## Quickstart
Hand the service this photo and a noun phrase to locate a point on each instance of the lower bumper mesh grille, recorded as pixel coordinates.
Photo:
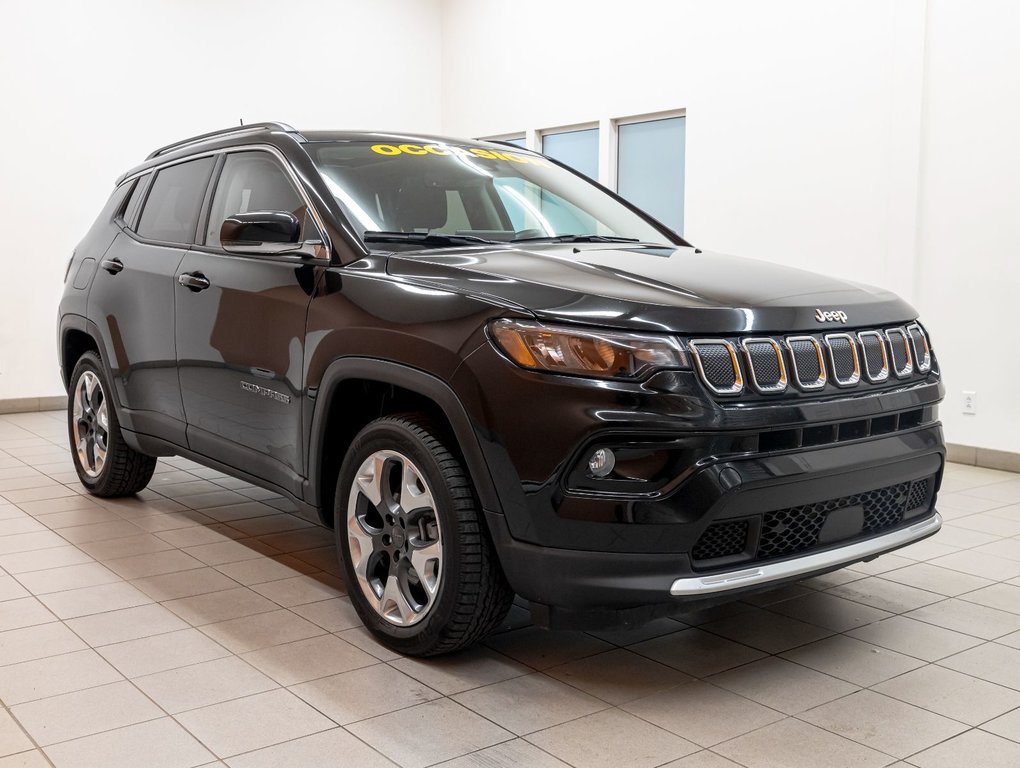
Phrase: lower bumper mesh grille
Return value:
(794, 530)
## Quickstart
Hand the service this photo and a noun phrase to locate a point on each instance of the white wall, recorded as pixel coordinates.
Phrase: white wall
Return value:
(874, 140)
(969, 234)
(88, 89)
(871, 139)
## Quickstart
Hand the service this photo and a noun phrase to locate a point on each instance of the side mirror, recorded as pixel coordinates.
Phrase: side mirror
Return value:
(262, 232)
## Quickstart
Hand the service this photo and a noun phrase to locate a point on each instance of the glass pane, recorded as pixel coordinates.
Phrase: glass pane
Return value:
(519, 141)
(497, 195)
(171, 208)
(650, 168)
(251, 181)
(578, 149)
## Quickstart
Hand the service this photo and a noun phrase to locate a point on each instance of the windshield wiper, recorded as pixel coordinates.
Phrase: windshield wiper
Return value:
(578, 239)
(425, 238)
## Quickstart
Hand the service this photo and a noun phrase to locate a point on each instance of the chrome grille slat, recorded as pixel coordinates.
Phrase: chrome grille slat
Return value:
(899, 345)
(846, 365)
(716, 361)
(919, 343)
(876, 361)
(765, 365)
(807, 362)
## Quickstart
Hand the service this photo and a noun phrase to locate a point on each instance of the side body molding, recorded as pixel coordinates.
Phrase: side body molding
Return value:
(415, 380)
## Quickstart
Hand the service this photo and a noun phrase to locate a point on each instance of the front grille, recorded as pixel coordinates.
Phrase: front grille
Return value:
(722, 539)
(794, 530)
(812, 361)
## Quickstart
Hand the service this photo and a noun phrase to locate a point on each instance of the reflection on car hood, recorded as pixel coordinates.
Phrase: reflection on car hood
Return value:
(656, 288)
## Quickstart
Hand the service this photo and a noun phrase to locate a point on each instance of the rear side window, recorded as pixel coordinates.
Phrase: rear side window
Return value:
(251, 181)
(131, 209)
(171, 208)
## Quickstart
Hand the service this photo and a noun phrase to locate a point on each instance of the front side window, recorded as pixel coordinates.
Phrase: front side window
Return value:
(249, 182)
(171, 208)
(428, 194)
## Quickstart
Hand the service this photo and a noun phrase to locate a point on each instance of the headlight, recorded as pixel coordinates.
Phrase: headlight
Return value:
(586, 352)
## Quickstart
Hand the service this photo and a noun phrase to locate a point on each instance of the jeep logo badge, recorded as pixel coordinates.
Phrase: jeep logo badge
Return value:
(828, 317)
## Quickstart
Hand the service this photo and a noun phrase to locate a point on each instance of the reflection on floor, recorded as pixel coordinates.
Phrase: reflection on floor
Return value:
(201, 624)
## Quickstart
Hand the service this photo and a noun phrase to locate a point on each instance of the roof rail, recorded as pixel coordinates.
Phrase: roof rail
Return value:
(237, 129)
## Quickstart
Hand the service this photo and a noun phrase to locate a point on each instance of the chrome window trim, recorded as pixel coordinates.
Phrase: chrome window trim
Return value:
(923, 362)
(738, 380)
(855, 377)
(883, 374)
(780, 386)
(823, 375)
(905, 338)
(288, 169)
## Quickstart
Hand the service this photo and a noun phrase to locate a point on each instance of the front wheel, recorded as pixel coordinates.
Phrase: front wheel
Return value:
(106, 465)
(420, 567)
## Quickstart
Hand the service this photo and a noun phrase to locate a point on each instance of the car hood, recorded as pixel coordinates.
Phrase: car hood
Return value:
(675, 289)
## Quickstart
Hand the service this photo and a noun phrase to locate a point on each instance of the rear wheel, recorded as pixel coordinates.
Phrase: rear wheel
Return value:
(420, 568)
(106, 465)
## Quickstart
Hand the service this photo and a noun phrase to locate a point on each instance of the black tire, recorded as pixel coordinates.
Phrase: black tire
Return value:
(125, 471)
(472, 596)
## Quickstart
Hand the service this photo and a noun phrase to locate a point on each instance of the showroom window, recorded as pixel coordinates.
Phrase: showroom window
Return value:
(251, 181)
(650, 167)
(641, 157)
(578, 149)
(171, 209)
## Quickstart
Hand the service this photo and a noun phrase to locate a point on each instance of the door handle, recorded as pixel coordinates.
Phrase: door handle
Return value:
(113, 266)
(194, 281)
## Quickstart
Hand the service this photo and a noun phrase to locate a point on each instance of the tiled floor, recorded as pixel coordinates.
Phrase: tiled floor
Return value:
(201, 624)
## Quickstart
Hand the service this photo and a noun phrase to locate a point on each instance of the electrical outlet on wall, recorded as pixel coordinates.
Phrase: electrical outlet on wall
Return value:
(970, 402)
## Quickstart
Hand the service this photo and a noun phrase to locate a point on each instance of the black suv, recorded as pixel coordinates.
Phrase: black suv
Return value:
(490, 376)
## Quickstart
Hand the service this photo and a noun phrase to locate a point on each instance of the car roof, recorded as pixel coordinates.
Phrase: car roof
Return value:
(278, 133)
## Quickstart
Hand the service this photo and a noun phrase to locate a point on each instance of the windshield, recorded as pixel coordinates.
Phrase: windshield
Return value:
(438, 195)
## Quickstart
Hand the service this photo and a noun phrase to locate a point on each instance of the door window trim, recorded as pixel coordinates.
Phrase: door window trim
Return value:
(207, 199)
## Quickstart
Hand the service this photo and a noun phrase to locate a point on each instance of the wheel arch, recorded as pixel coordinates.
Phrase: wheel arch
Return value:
(77, 336)
(379, 388)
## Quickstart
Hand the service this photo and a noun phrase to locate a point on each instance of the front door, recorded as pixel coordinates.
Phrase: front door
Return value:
(241, 332)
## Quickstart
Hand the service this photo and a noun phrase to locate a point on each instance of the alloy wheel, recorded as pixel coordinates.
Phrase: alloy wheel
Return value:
(90, 423)
(395, 539)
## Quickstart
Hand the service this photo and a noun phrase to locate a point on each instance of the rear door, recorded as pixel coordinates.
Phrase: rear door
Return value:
(132, 296)
(241, 335)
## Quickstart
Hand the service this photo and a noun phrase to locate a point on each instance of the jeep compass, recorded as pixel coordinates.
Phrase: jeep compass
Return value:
(491, 376)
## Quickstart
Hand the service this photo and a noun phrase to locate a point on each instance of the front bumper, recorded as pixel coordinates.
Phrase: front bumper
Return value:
(592, 556)
(801, 567)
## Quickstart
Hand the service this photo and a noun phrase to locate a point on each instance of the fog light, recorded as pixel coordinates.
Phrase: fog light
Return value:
(601, 462)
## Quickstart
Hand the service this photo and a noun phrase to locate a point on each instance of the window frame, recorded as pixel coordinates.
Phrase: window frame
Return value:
(153, 173)
(210, 197)
(218, 154)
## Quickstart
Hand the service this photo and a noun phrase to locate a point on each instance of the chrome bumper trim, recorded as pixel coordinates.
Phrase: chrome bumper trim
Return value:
(833, 558)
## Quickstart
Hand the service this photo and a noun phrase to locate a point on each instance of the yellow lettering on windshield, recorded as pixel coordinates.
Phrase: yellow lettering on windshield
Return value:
(444, 150)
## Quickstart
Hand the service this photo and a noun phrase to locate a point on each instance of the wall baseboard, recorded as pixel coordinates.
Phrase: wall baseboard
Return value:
(983, 457)
(29, 404)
